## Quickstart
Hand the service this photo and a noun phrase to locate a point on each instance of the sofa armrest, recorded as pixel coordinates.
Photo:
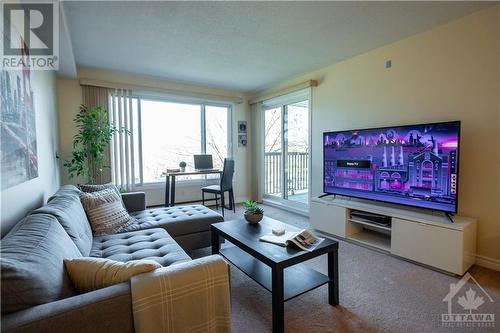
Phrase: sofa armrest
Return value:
(134, 201)
(104, 310)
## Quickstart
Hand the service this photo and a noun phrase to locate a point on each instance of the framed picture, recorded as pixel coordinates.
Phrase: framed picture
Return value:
(242, 140)
(18, 151)
(242, 127)
(242, 133)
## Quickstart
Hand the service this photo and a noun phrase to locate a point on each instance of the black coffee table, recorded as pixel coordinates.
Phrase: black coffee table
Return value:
(277, 269)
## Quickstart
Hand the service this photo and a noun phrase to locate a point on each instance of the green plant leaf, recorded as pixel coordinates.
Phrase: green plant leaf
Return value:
(252, 207)
(90, 142)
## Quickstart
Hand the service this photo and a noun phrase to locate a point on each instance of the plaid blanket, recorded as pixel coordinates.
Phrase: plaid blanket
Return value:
(187, 297)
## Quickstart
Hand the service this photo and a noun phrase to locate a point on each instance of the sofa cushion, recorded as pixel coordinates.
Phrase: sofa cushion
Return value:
(65, 205)
(152, 244)
(178, 220)
(32, 263)
(66, 190)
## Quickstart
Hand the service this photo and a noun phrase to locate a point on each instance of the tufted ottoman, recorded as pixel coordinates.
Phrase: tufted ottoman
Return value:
(153, 244)
(188, 225)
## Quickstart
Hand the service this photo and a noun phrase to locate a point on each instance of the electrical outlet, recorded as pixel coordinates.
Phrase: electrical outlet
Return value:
(388, 63)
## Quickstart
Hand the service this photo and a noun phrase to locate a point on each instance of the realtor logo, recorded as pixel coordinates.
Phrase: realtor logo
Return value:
(464, 303)
(30, 35)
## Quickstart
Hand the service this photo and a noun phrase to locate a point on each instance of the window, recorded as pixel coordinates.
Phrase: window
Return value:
(172, 132)
(216, 123)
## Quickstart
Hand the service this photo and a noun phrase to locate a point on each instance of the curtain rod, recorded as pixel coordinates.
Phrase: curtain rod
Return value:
(299, 86)
(140, 88)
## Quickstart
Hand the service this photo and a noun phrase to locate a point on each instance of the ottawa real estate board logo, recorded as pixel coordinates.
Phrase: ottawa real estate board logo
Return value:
(30, 35)
(468, 305)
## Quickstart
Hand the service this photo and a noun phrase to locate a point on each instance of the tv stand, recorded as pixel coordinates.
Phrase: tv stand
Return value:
(326, 195)
(449, 216)
(422, 236)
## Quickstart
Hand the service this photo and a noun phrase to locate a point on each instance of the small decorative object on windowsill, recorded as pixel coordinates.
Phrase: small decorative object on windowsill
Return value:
(253, 213)
(182, 166)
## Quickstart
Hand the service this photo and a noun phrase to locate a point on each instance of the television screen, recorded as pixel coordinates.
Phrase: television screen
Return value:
(413, 165)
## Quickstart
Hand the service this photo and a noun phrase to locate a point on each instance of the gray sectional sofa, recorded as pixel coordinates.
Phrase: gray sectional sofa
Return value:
(37, 295)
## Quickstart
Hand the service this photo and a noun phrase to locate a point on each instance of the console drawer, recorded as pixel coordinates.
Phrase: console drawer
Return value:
(328, 218)
(428, 244)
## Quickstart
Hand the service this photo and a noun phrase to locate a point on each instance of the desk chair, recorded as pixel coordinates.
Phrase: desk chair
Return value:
(226, 185)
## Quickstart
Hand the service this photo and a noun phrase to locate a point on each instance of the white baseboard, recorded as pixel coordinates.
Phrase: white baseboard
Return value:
(488, 262)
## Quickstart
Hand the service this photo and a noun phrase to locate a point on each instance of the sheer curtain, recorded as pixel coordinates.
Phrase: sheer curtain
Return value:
(121, 108)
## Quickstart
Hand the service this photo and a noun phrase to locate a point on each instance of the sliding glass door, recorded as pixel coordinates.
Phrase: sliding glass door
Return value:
(273, 152)
(286, 153)
(297, 157)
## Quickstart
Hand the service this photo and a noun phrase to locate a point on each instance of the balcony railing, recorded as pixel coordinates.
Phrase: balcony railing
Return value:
(297, 172)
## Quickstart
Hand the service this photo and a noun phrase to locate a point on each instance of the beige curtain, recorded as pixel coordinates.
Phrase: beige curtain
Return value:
(94, 97)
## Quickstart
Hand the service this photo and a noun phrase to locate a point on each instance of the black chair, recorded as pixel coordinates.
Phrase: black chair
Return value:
(226, 185)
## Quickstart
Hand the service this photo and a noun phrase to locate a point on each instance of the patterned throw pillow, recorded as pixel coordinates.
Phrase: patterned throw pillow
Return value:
(105, 212)
(89, 274)
(89, 188)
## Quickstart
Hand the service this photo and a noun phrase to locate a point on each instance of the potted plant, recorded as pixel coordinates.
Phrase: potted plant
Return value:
(253, 213)
(94, 133)
(182, 165)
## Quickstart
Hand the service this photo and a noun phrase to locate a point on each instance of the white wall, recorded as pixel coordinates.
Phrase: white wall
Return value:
(19, 200)
(70, 97)
(448, 73)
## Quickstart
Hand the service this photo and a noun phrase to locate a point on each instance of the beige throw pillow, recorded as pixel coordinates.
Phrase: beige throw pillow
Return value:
(105, 212)
(89, 188)
(89, 273)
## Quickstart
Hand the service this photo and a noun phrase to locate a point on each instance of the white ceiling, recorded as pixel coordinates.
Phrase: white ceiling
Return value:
(241, 46)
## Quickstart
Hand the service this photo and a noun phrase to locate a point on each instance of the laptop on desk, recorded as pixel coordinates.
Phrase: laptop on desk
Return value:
(203, 162)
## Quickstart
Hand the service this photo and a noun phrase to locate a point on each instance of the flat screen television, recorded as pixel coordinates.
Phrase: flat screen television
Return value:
(414, 165)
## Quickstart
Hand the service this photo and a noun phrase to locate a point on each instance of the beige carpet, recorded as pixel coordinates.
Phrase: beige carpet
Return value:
(378, 293)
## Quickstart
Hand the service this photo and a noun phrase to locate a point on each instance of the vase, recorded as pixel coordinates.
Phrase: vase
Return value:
(253, 218)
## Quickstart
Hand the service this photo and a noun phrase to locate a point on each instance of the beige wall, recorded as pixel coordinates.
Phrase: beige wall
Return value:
(70, 97)
(448, 73)
(19, 200)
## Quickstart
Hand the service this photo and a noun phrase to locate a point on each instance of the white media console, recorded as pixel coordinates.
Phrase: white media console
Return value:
(424, 237)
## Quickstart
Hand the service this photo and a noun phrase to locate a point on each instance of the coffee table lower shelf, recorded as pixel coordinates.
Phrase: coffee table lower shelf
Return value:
(298, 279)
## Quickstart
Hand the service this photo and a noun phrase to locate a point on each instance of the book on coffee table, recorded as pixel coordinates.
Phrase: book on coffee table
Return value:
(304, 239)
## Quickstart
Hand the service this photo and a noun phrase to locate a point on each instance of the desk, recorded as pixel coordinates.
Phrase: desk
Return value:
(170, 185)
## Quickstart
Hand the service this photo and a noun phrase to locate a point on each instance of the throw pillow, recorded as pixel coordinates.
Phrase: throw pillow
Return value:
(105, 212)
(89, 273)
(89, 188)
